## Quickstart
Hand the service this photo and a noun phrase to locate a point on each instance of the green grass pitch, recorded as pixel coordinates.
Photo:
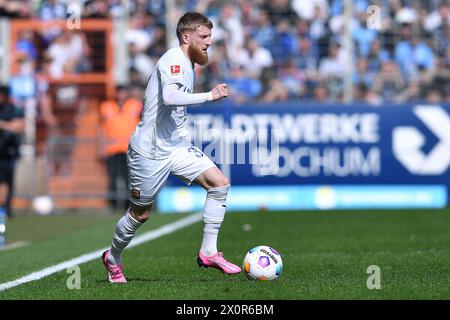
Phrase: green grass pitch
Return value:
(325, 256)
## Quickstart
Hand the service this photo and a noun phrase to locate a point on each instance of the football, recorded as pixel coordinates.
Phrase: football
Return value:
(263, 263)
(43, 205)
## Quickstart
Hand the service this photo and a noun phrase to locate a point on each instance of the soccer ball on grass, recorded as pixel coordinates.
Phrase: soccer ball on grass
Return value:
(262, 263)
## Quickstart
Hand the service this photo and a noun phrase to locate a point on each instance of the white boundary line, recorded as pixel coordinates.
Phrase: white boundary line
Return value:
(148, 236)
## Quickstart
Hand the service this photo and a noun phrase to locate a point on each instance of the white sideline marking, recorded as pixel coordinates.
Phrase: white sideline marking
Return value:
(148, 236)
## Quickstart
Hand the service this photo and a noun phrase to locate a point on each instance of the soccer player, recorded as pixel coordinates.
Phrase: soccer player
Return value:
(161, 146)
(12, 126)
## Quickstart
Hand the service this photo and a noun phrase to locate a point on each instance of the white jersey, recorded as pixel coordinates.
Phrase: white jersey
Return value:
(162, 127)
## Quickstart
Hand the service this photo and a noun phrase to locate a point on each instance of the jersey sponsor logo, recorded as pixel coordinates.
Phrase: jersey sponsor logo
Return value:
(175, 69)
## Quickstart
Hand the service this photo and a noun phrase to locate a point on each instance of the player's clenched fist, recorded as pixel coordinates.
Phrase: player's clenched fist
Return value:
(219, 91)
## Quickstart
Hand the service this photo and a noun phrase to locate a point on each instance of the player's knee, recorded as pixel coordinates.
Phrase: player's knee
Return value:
(221, 182)
(139, 213)
(225, 182)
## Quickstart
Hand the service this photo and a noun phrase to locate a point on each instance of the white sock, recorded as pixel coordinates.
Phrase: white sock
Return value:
(209, 243)
(125, 230)
(213, 215)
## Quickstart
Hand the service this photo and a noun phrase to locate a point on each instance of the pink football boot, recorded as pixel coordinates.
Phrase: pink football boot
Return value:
(217, 261)
(115, 273)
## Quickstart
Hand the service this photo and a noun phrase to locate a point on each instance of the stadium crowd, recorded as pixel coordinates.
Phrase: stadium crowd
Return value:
(276, 50)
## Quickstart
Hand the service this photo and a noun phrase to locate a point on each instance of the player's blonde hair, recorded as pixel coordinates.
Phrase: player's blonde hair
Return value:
(190, 21)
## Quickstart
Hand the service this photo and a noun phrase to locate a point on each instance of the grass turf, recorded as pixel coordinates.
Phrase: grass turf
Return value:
(325, 256)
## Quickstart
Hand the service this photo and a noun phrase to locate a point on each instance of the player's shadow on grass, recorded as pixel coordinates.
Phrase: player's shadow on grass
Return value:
(136, 280)
(131, 280)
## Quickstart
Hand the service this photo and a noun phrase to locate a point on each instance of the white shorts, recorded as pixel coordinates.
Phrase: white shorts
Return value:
(147, 176)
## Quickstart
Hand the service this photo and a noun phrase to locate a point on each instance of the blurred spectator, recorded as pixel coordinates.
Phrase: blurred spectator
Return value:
(302, 30)
(52, 9)
(119, 118)
(388, 81)
(68, 54)
(263, 35)
(242, 87)
(228, 26)
(438, 18)
(323, 43)
(249, 13)
(284, 43)
(149, 25)
(377, 55)
(280, 10)
(117, 9)
(68, 103)
(293, 79)
(136, 92)
(135, 76)
(320, 93)
(158, 46)
(317, 24)
(413, 92)
(441, 39)
(406, 15)
(363, 36)
(373, 98)
(413, 54)
(155, 7)
(217, 69)
(275, 92)
(23, 84)
(137, 35)
(307, 10)
(359, 92)
(362, 74)
(12, 126)
(15, 9)
(254, 58)
(433, 96)
(25, 45)
(26, 85)
(331, 70)
(263, 31)
(141, 63)
(441, 78)
(306, 60)
(210, 8)
(96, 9)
